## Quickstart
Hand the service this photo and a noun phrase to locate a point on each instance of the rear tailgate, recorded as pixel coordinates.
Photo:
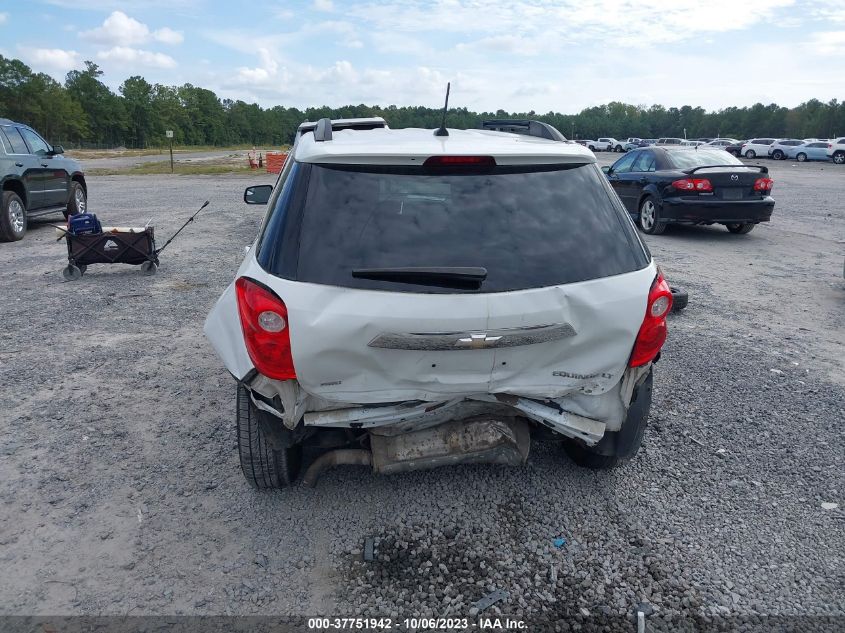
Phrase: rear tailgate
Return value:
(364, 346)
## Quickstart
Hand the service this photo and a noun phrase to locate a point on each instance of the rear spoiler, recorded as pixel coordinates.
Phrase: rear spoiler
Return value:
(763, 170)
(527, 127)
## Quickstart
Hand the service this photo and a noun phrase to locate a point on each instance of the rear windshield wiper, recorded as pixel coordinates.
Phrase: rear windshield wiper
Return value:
(468, 277)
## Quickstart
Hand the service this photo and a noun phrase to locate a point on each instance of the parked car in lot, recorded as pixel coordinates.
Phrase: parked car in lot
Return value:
(632, 143)
(836, 150)
(779, 149)
(661, 186)
(692, 143)
(609, 144)
(722, 143)
(365, 320)
(756, 147)
(669, 140)
(814, 150)
(36, 180)
(591, 145)
(735, 148)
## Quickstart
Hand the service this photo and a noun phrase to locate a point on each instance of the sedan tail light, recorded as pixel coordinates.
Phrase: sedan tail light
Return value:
(763, 184)
(653, 331)
(693, 184)
(264, 320)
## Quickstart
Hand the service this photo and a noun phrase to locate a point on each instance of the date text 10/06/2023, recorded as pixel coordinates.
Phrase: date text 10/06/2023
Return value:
(492, 623)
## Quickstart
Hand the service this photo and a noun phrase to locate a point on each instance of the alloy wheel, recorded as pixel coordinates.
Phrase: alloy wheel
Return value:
(79, 199)
(16, 216)
(647, 215)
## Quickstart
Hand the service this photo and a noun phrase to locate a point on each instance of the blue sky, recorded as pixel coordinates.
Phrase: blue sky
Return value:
(511, 54)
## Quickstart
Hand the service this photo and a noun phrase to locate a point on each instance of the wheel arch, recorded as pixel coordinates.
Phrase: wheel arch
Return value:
(648, 190)
(12, 184)
(79, 177)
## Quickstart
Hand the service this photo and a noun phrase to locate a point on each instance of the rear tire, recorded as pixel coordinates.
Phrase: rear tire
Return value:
(13, 221)
(751, 154)
(649, 218)
(839, 158)
(778, 155)
(617, 447)
(620, 149)
(741, 229)
(264, 466)
(801, 157)
(78, 200)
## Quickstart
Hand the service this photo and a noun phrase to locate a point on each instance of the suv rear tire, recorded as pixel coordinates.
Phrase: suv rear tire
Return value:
(12, 217)
(649, 218)
(617, 447)
(839, 158)
(778, 155)
(263, 465)
(740, 229)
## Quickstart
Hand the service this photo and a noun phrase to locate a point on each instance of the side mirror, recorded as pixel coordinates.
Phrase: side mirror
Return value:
(606, 169)
(258, 194)
(57, 149)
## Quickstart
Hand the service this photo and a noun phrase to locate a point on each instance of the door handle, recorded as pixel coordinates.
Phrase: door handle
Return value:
(643, 180)
(45, 164)
(18, 164)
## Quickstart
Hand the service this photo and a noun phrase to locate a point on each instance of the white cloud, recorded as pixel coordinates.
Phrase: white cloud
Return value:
(133, 56)
(168, 36)
(324, 5)
(827, 43)
(51, 59)
(119, 29)
(4, 17)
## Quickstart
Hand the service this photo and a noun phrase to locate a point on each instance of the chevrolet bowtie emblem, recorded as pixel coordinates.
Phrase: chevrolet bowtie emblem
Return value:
(478, 340)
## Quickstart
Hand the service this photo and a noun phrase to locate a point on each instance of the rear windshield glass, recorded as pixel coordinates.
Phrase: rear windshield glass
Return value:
(701, 157)
(528, 228)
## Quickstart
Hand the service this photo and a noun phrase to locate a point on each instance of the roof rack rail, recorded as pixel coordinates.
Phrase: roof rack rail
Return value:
(323, 130)
(368, 123)
(524, 126)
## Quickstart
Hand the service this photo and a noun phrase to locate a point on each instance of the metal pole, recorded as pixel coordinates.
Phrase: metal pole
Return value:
(171, 154)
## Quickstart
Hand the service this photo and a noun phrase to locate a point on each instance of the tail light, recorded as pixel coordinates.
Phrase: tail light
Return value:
(653, 331)
(693, 184)
(830, 146)
(763, 184)
(264, 320)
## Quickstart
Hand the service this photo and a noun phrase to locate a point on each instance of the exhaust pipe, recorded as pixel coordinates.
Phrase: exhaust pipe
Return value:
(337, 457)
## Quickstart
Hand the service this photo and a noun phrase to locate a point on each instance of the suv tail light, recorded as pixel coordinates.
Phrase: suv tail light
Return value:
(763, 184)
(693, 184)
(264, 320)
(653, 331)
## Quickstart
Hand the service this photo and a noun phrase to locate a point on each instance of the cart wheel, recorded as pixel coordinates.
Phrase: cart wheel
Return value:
(149, 268)
(71, 272)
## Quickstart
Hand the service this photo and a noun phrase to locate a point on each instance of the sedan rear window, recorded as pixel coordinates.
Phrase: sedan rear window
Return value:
(528, 227)
(700, 158)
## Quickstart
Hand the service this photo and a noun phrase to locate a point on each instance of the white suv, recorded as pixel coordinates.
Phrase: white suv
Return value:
(756, 147)
(415, 299)
(609, 144)
(836, 150)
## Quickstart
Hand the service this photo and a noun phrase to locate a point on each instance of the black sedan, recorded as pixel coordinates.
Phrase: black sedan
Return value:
(686, 185)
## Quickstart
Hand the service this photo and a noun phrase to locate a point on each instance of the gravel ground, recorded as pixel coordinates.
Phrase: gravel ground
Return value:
(121, 491)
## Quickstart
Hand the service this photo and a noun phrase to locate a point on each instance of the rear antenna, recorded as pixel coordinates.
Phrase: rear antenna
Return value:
(443, 131)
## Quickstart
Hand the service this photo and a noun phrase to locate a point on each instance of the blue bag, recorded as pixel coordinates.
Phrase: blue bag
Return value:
(84, 224)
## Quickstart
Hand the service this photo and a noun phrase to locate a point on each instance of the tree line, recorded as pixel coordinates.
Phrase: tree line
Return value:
(84, 112)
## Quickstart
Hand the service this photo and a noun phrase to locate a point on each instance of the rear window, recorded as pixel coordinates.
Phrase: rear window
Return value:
(529, 227)
(700, 158)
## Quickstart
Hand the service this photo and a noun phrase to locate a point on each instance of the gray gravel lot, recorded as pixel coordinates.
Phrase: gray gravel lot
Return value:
(121, 491)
